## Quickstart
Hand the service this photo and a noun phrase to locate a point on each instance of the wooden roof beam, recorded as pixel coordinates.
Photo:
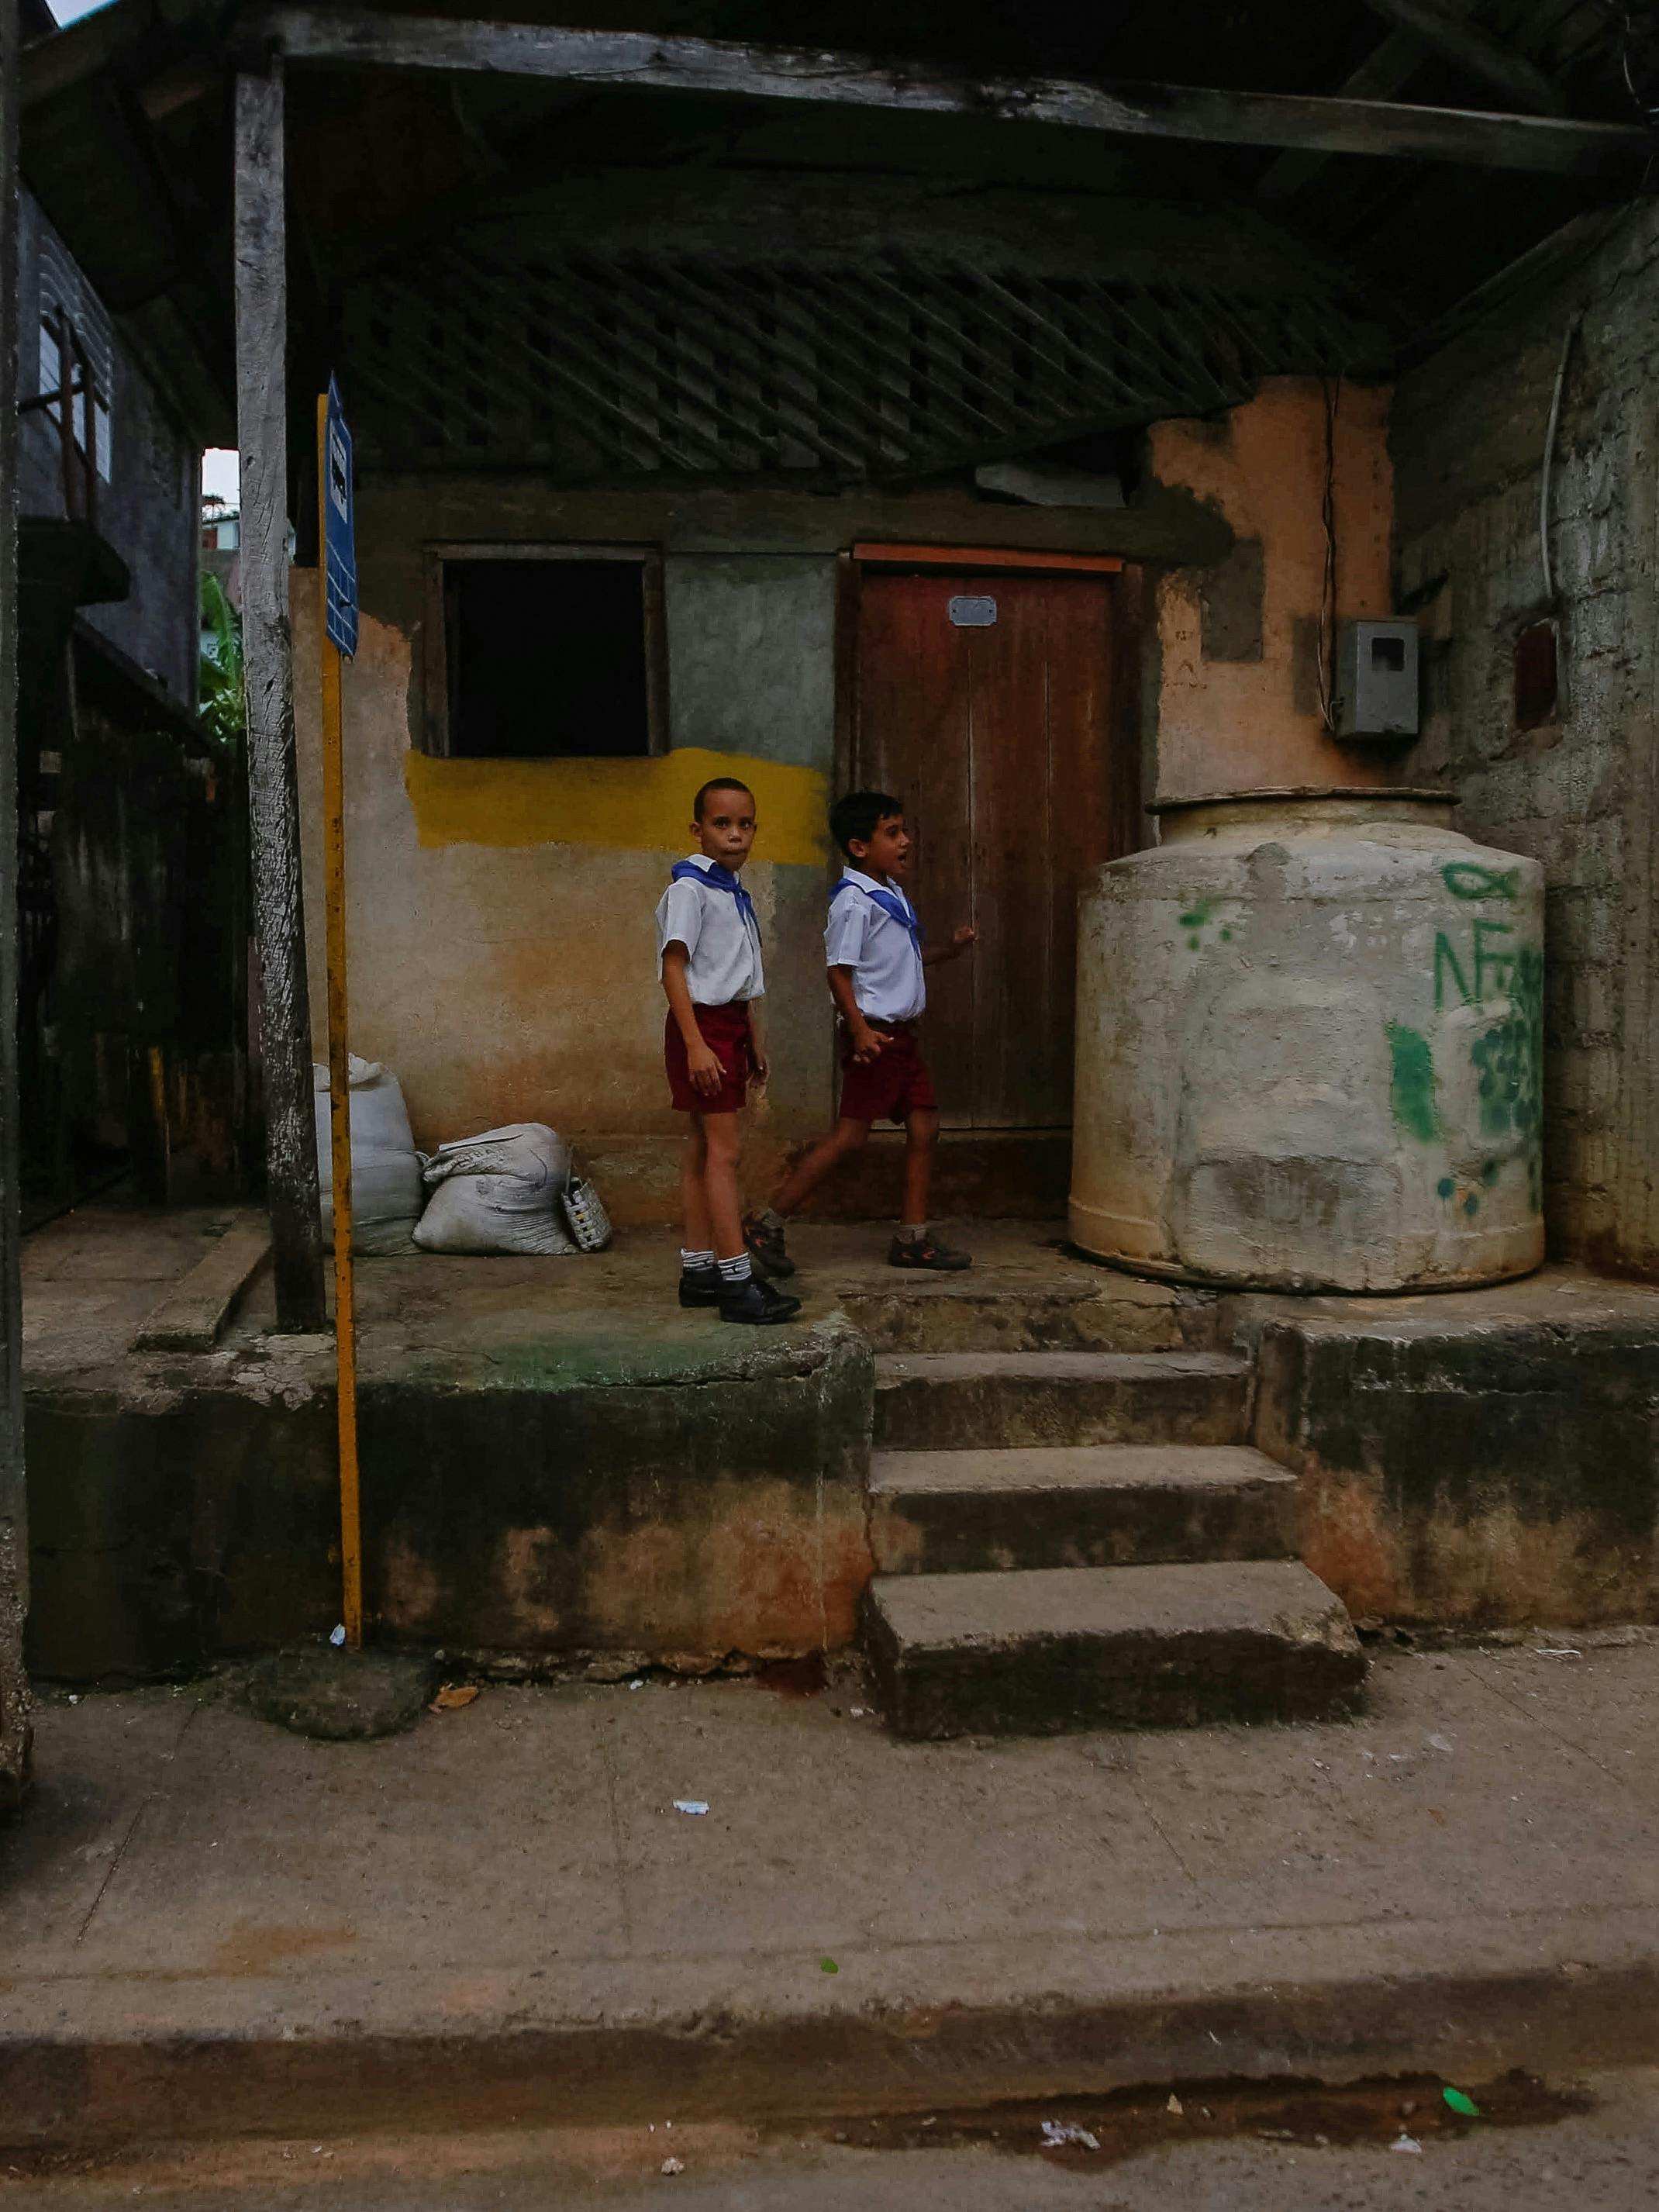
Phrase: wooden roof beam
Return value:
(634, 58)
(1443, 27)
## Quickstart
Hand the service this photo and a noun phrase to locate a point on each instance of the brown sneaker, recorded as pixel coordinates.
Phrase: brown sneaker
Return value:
(927, 1252)
(765, 1247)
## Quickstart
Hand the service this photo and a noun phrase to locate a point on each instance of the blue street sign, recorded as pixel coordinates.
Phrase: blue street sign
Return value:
(340, 528)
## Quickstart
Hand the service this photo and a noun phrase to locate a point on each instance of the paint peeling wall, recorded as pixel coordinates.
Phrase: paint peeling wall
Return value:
(1577, 791)
(1235, 692)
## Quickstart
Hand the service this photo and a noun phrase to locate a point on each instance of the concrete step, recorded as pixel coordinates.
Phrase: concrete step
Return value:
(971, 1402)
(1032, 1652)
(1102, 1312)
(1078, 1505)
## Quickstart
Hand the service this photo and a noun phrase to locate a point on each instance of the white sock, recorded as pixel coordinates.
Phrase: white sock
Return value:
(694, 1263)
(911, 1232)
(735, 1271)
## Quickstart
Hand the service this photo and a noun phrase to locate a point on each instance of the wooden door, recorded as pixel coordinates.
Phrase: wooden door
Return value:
(993, 722)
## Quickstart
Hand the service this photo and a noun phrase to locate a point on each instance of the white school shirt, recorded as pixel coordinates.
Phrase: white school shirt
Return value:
(724, 946)
(888, 985)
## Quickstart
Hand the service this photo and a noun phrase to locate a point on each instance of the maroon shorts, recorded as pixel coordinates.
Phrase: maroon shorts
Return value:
(896, 1083)
(726, 1031)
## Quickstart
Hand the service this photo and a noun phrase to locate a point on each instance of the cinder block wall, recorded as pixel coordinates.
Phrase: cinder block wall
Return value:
(1581, 792)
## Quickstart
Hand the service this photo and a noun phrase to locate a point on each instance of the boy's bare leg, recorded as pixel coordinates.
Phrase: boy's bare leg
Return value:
(694, 1193)
(921, 1134)
(846, 1138)
(722, 1139)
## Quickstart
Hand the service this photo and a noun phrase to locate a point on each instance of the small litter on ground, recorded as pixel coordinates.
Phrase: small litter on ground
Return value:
(1057, 2134)
(1460, 2103)
(453, 1696)
(1175, 2104)
(673, 2166)
(689, 1805)
(336, 1635)
(1407, 2143)
(828, 1967)
(1555, 1651)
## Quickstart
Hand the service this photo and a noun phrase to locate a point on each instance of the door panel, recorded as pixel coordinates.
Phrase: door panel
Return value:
(997, 739)
(913, 740)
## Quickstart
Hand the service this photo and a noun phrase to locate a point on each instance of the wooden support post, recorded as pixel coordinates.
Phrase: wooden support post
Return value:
(273, 795)
(340, 1074)
(15, 1707)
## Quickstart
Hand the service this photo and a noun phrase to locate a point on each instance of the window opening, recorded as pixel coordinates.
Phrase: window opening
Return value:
(547, 658)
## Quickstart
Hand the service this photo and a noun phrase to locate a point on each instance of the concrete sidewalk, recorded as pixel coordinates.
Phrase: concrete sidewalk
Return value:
(209, 1924)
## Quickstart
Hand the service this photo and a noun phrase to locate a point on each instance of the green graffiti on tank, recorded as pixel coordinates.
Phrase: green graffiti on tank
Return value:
(1410, 1091)
(1509, 1057)
(1467, 879)
(1195, 918)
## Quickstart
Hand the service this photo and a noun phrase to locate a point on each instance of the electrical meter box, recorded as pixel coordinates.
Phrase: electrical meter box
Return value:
(1377, 679)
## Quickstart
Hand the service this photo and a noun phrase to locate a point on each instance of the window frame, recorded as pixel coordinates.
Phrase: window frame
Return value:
(434, 728)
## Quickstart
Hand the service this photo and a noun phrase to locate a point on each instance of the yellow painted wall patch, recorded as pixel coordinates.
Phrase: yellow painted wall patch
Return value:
(620, 805)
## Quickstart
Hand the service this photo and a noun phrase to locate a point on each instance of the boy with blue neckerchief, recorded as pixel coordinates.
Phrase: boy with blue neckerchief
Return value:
(873, 949)
(708, 959)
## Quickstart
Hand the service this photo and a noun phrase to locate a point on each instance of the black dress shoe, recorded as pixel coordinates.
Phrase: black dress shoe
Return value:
(758, 1302)
(700, 1286)
(765, 1248)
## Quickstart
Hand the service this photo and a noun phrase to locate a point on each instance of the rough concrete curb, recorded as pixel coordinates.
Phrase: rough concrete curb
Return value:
(106, 2060)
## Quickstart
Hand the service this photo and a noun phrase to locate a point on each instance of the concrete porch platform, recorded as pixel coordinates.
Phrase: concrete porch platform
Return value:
(556, 1459)
(211, 1925)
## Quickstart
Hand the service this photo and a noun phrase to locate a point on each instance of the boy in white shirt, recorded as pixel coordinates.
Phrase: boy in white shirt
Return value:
(873, 948)
(708, 960)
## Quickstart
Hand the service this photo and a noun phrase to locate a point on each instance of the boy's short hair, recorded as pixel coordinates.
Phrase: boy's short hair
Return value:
(718, 783)
(857, 815)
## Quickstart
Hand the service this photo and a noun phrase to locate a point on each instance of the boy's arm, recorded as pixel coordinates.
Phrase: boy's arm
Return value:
(763, 1066)
(961, 938)
(701, 1063)
(867, 1043)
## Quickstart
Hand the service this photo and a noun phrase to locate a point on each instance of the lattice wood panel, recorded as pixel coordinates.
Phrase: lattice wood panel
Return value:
(639, 362)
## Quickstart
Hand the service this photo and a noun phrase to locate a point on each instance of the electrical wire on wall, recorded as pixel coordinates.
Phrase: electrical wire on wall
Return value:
(1324, 645)
(1637, 30)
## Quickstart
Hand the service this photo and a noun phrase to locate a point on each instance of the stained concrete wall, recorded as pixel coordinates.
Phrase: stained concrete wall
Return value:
(1579, 792)
(501, 912)
(1234, 688)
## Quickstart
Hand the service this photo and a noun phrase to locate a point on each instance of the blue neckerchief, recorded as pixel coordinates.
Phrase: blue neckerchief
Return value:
(685, 872)
(888, 902)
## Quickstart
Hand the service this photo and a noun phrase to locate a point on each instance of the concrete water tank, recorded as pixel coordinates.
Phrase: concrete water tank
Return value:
(1309, 1042)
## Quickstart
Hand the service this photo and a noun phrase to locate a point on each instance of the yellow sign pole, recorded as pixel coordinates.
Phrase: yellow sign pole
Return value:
(339, 1093)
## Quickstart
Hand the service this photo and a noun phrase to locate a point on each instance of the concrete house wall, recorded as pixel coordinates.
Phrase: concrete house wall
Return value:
(500, 911)
(1577, 791)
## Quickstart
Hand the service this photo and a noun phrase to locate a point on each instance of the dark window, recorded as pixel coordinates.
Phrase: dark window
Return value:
(547, 656)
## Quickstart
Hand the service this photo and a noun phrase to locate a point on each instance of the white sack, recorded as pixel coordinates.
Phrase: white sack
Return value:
(498, 1192)
(385, 1168)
